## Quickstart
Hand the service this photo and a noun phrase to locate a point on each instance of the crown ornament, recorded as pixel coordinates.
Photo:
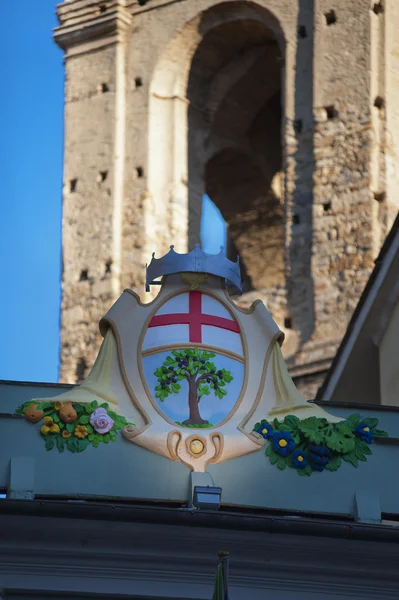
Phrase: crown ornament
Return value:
(196, 261)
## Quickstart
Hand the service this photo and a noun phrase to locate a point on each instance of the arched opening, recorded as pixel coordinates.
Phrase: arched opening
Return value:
(234, 143)
(215, 128)
(213, 232)
(252, 208)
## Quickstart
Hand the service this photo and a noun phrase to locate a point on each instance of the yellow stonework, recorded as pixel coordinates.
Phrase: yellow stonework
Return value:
(303, 165)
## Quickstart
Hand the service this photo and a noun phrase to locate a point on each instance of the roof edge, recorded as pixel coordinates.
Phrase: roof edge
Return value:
(308, 525)
(382, 265)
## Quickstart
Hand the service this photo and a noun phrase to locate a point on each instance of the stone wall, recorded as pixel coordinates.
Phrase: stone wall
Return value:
(88, 208)
(283, 111)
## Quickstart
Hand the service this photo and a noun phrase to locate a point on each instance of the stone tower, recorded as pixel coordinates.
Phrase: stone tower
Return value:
(284, 112)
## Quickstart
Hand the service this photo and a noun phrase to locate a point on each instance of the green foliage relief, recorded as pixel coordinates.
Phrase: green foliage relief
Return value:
(80, 434)
(314, 444)
(202, 375)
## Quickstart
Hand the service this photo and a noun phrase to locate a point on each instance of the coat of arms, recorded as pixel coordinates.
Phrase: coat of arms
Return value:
(191, 370)
(191, 353)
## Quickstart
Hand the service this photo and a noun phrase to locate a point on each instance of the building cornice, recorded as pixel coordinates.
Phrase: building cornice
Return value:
(90, 30)
(168, 552)
(261, 521)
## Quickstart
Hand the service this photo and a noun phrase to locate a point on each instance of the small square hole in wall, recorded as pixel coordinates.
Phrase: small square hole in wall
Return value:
(138, 82)
(378, 8)
(73, 184)
(104, 88)
(81, 367)
(379, 102)
(302, 33)
(102, 176)
(298, 125)
(84, 275)
(331, 17)
(139, 172)
(102, 8)
(379, 197)
(142, 2)
(327, 206)
(108, 266)
(296, 219)
(331, 112)
(288, 323)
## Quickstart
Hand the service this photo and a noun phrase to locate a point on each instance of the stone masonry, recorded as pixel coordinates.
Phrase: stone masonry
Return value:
(284, 111)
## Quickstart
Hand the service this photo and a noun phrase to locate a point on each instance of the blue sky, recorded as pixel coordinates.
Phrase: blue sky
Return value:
(31, 122)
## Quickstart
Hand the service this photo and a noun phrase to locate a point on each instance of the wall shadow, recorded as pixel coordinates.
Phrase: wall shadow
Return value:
(299, 203)
(234, 141)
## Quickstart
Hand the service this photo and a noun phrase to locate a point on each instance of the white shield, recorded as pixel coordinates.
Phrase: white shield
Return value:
(193, 360)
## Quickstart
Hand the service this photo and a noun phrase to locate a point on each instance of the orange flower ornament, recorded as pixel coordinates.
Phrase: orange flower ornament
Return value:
(81, 432)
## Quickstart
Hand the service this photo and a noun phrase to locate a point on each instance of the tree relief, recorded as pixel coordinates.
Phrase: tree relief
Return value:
(193, 360)
(195, 367)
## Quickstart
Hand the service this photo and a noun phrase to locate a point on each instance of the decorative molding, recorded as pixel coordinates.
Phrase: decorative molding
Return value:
(314, 444)
(79, 37)
(10, 416)
(192, 449)
(73, 425)
(170, 561)
(193, 345)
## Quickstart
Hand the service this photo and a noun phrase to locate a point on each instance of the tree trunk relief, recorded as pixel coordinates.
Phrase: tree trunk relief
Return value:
(193, 401)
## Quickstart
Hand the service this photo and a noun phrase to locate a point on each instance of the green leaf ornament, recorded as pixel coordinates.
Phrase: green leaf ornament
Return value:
(318, 444)
(313, 429)
(69, 440)
(49, 442)
(340, 438)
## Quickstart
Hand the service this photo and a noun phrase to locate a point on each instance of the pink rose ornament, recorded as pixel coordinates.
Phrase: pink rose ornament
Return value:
(101, 421)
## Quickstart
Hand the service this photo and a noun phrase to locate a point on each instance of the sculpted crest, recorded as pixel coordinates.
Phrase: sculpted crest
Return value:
(192, 371)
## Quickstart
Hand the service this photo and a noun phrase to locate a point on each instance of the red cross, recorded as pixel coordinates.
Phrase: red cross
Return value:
(195, 318)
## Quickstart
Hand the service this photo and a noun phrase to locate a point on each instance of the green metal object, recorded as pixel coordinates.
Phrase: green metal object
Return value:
(218, 592)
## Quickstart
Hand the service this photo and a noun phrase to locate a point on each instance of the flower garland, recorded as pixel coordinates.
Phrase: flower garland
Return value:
(74, 426)
(314, 444)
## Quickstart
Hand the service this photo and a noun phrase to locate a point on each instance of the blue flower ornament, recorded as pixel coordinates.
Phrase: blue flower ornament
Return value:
(265, 430)
(365, 433)
(283, 443)
(319, 456)
(299, 459)
(313, 444)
